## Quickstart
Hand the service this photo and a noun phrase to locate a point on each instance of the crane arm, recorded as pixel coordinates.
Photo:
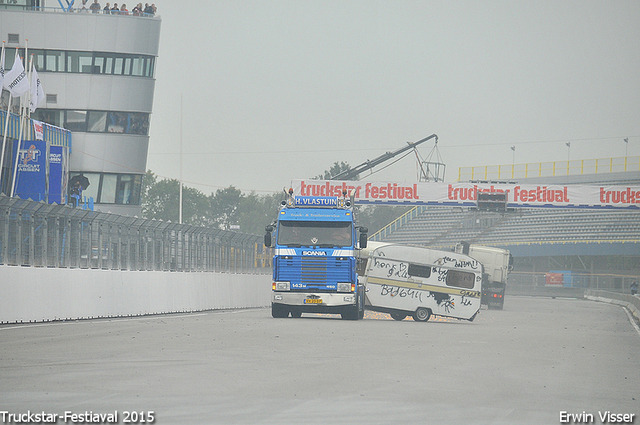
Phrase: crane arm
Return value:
(369, 164)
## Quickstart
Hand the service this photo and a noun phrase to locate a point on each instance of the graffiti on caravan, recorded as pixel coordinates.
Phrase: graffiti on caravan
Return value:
(465, 194)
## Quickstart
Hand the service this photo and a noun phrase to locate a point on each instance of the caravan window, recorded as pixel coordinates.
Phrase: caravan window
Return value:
(460, 279)
(419, 271)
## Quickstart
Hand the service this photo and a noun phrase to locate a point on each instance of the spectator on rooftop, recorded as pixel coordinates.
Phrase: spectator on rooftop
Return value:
(115, 10)
(95, 6)
(123, 9)
(107, 9)
(137, 11)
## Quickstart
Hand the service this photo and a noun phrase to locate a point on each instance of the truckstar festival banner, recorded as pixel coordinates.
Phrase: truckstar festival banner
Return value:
(465, 194)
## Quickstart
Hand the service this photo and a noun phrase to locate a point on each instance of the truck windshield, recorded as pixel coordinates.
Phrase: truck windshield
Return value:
(314, 233)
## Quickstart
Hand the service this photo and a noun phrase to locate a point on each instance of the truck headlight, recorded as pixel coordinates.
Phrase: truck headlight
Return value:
(344, 286)
(281, 286)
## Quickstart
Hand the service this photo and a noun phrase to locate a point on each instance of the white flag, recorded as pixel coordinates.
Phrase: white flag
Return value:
(2, 66)
(37, 94)
(16, 80)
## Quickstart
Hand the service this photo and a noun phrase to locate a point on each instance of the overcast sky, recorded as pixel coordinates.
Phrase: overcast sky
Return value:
(280, 90)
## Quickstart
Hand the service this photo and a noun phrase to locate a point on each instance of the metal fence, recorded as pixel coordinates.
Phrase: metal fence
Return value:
(577, 280)
(44, 235)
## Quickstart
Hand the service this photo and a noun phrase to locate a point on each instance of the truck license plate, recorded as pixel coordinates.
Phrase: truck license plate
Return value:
(313, 301)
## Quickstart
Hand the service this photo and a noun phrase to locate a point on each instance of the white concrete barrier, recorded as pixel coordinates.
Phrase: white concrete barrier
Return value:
(632, 303)
(33, 294)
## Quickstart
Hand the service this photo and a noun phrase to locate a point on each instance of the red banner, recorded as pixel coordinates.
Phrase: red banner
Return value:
(465, 194)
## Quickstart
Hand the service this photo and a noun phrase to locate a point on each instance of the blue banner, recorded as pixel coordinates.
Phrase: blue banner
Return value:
(31, 177)
(58, 174)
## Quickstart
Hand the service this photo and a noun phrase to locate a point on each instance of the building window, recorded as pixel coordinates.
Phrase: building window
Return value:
(76, 121)
(50, 116)
(111, 188)
(54, 61)
(138, 67)
(139, 123)
(117, 122)
(89, 62)
(91, 191)
(38, 58)
(149, 67)
(127, 66)
(108, 189)
(96, 121)
(103, 63)
(79, 62)
(128, 189)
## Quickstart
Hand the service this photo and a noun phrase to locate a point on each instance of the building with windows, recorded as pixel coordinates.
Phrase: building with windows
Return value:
(97, 70)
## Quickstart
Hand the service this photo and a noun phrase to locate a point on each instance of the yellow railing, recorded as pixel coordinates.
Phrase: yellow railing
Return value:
(397, 223)
(550, 169)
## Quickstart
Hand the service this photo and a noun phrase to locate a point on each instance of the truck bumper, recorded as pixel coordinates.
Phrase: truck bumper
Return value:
(314, 302)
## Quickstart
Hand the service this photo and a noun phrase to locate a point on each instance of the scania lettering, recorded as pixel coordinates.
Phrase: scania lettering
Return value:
(314, 264)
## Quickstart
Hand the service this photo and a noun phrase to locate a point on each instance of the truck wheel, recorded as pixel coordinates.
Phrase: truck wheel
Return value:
(398, 316)
(278, 311)
(422, 314)
(350, 313)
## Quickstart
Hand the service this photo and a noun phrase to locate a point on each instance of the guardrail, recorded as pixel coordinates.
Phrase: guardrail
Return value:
(76, 8)
(549, 169)
(631, 302)
(50, 235)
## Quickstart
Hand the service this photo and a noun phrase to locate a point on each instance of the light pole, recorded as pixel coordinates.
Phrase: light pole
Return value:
(626, 146)
(568, 155)
(513, 157)
(180, 194)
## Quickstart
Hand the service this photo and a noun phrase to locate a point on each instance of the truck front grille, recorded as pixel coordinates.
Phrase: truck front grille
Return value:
(313, 272)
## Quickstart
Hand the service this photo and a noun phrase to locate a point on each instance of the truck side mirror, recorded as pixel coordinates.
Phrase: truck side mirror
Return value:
(362, 242)
(267, 236)
(267, 239)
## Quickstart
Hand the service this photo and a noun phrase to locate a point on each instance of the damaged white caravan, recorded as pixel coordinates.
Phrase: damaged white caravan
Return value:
(404, 280)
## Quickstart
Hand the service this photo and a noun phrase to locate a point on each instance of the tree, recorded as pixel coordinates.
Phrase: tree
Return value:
(225, 205)
(161, 200)
(256, 212)
(336, 168)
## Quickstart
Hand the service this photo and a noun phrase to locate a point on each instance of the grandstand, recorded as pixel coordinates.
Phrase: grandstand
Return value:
(586, 240)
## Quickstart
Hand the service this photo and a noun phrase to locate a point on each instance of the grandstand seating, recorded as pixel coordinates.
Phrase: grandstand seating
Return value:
(442, 227)
(531, 232)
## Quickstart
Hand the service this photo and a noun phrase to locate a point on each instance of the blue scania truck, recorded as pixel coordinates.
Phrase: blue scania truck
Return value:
(315, 241)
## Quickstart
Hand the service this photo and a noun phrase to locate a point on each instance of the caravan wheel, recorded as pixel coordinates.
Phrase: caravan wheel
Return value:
(422, 314)
(398, 316)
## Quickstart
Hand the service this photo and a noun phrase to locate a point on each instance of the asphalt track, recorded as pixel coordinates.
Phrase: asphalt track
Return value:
(526, 364)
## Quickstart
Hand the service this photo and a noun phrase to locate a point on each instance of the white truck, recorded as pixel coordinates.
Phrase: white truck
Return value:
(404, 280)
(497, 264)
